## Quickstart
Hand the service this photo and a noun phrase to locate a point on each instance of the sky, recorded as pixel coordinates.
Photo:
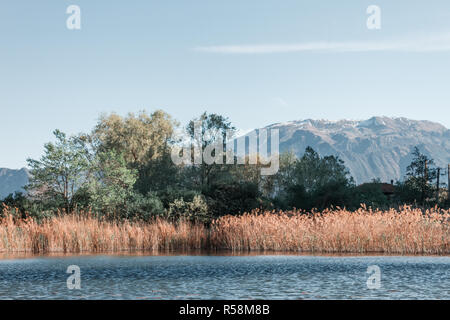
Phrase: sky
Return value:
(257, 62)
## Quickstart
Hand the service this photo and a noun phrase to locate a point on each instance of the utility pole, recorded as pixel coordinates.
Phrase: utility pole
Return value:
(438, 184)
(448, 183)
(425, 183)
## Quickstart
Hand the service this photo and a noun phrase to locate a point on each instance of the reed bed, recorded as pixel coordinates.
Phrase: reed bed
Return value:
(86, 233)
(404, 231)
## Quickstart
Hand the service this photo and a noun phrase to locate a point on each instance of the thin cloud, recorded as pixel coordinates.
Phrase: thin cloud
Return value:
(281, 102)
(439, 43)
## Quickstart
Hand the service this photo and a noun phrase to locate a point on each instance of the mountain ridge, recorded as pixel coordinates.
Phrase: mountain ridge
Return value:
(12, 180)
(379, 147)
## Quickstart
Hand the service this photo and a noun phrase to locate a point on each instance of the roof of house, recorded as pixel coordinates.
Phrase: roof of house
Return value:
(386, 188)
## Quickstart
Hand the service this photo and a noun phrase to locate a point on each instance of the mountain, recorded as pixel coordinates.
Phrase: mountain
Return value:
(12, 181)
(379, 147)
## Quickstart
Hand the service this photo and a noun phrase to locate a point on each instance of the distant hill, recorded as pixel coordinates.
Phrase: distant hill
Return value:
(12, 181)
(379, 147)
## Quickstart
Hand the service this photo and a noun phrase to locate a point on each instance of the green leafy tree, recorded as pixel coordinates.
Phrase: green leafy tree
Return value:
(371, 195)
(159, 174)
(319, 182)
(139, 138)
(418, 185)
(234, 198)
(61, 171)
(144, 140)
(111, 184)
(212, 128)
(142, 207)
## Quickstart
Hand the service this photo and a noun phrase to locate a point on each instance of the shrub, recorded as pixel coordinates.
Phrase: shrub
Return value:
(235, 198)
(141, 207)
(195, 210)
(169, 195)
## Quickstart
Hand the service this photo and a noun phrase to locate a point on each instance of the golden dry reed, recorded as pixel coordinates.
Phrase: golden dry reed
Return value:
(85, 233)
(404, 231)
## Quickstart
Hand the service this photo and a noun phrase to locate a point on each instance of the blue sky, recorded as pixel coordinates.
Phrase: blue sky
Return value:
(255, 61)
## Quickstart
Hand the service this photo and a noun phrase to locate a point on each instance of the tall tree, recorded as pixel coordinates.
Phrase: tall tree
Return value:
(206, 131)
(111, 184)
(276, 184)
(139, 138)
(144, 142)
(319, 182)
(61, 171)
(420, 175)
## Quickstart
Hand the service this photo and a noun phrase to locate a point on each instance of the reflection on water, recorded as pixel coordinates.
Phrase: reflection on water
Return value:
(219, 276)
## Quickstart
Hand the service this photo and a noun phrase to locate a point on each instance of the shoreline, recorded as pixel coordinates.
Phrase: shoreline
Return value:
(207, 253)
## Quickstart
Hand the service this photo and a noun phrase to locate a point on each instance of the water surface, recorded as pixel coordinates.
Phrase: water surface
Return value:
(226, 277)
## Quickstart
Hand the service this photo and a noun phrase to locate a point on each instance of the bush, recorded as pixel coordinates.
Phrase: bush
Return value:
(235, 198)
(194, 211)
(371, 195)
(169, 195)
(21, 206)
(141, 207)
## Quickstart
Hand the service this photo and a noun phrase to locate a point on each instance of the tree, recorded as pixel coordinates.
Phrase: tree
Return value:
(371, 194)
(158, 174)
(233, 198)
(139, 138)
(16, 201)
(313, 172)
(420, 175)
(418, 184)
(112, 183)
(285, 175)
(213, 129)
(61, 171)
(111, 190)
(144, 141)
(319, 182)
(268, 185)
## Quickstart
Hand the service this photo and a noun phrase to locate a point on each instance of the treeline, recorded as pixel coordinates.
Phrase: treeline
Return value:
(123, 170)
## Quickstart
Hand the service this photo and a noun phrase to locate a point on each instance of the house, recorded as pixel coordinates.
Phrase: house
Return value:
(388, 189)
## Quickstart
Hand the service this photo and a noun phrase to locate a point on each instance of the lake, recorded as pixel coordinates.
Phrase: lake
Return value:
(227, 277)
